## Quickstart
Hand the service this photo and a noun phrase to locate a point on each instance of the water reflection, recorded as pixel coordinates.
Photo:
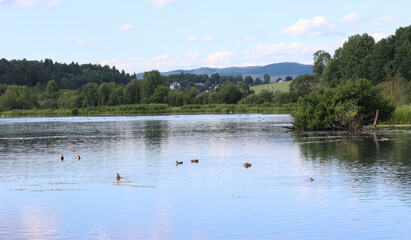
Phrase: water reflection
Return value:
(360, 180)
(369, 161)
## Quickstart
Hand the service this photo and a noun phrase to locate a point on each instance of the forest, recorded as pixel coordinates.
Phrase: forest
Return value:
(344, 93)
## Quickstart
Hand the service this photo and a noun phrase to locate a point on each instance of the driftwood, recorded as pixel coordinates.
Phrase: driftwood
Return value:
(287, 127)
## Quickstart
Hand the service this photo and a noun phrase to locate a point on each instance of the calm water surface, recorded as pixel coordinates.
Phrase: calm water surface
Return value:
(362, 186)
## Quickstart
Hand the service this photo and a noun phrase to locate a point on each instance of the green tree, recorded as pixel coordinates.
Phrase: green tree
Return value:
(249, 80)
(69, 99)
(52, 90)
(104, 92)
(266, 78)
(258, 81)
(151, 80)
(132, 91)
(174, 98)
(303, 85)
(321, 60)
(89, 94)
(160, 94)
(228, 93)
(8, 100)
(347, 61)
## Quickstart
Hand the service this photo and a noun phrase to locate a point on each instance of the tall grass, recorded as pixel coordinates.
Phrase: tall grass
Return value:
(401, 115)
(143, 109)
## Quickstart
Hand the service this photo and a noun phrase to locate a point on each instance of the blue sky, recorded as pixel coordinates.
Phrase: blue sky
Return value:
(142, 35)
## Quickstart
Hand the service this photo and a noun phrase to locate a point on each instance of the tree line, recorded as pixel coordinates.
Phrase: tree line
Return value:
(24, 85)
(153, 88)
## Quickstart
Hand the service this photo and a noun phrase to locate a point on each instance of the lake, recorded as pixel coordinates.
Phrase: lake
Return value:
(361, 187)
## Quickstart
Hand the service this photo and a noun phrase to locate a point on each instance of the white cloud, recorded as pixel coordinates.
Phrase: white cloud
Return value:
(307, 27)
(379, 35)
(220, 59)
(190, 55)
(20, 3)
(128, 27)
(162, 3)
(350, 18)
(52, 3)
(28, 3)
(161, 57)
(81, 43)
(162, 63)
(194, 39)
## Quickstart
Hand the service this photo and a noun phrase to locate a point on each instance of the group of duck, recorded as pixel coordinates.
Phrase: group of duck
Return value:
(192, 161)
(62, 157)
(118, 177)
(78, 159)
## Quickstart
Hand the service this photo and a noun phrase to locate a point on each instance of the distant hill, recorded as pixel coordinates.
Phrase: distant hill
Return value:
(274, 70)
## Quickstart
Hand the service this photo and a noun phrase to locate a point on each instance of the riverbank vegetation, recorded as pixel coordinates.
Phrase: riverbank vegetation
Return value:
(363, 82)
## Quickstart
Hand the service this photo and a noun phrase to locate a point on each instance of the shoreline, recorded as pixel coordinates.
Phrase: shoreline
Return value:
(156, 109)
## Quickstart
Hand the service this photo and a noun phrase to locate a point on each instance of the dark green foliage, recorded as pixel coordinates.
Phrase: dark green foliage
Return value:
(402, 58)
(17, 97)
(69, 99)
(68, 76)
(249, 80)
(348, 107)
(132, 92)
(360, 57)
(89, 95)
(175, 98)
(321, 60)
(52, 90)
(227, 93)
(266, 79)
(151, 81)
(258, 81)
(160, 94)
(303, 85)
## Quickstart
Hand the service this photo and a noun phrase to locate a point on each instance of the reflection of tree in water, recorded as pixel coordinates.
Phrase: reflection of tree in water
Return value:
(363, 156)
(155, 132)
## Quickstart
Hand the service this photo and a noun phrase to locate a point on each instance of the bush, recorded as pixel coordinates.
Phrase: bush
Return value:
(348, 107)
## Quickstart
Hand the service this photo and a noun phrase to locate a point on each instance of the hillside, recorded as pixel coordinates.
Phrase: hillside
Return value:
(280, 86)
(275, 69)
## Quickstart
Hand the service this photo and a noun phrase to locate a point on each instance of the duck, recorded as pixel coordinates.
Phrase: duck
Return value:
(194, 160)
(247, 165)
(310, 179)
(177, 162)
(78, 157)
(61, 157)
(384, 139)
(118, 177)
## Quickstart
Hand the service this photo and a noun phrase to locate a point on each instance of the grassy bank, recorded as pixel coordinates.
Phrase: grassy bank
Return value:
(402, 115)
(144, 109)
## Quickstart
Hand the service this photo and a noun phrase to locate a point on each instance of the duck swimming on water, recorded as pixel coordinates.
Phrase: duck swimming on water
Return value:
(62, 157)
(310, 179)
(78, 157)
(247, 165)
(177, 162)
(118, 177)
(194, 160)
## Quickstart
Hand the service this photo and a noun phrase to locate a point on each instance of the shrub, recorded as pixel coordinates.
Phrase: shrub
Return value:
(348, 107)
